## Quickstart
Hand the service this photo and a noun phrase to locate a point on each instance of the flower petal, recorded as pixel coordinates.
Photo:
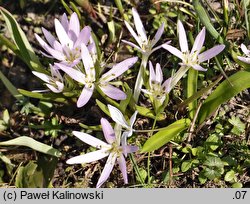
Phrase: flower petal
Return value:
(244, 59)
(89, 157)
(167, 85)
(173, 50)
(199, 41)
(55, 53)
(93, 141)
(152, 77)
(138, 40)
(119, 69)
(74, 27)
(158, 35)
(132, 45)
(108, 131)
(74, 74)
(132, 119)
(158, 73)
(62, 35)
(85, 95)
(117, 116)
(122, 166)
(83, 37)
(64, 21)
(130, 149)
(139, 27)
(210, 53)
(87, 61)
(57, 89)
(112, 92)
(107, 169)
(51, 40)
(42, 76)
(182, 37)
(198, 67)
(244, 49)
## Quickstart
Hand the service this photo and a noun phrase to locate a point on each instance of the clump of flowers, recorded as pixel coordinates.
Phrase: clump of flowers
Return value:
(113, 149)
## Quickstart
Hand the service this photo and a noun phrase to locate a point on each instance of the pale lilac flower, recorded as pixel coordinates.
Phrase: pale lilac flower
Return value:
(118, 117)
(112, 149)
(157, 89)
(53, 82)
(145, 45)
(67, 49)
(193, 58)
(89, 80)
(246, 52)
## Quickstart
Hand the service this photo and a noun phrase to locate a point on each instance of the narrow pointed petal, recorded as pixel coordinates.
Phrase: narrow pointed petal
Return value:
(108, 131)
(56, 54)
(158, 73)
(49, 37)
(86, 94)
(74, 74)
(64, 21)
(244, 59)
(132, 45)
(130, 148)
(182, 37)
(74, 26)
(119, 69)
(113, 92)
(89, 157)
(167, 85)
(157, 35)
(132, 119)
(244, 49)
(199, 41)
(117, 116)
(62, 35)
(107, 169)
(138, 40)
(152, 76)
(57, 89)
(210, 53)
(173, 50)
(83, 37)
(42, 76)
(93, 141)
(139, 27)
(198, 67)
(87, 60)
(122, 166)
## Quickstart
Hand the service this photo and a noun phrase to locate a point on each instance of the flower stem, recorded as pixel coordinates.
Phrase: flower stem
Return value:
(178, 75)
(140, 76)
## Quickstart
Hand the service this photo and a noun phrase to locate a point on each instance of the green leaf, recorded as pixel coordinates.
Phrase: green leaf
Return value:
(149, 113)
(164, 136)
(202, 178)
(239, 82)
(27, 53)
(33, 144)
(213, 162)
(11, 88)
(237, 185)
(6, 116)
(29, 176)
(103, 107)
(44, 96)
(186, 165)
(238, 126)
(198, 94)
(191, 90)
(213, 142)
(206, 20)
(230, 176)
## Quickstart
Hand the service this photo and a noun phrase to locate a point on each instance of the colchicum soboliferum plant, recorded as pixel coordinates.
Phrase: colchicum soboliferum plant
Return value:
(77, 63)
(113, 149)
